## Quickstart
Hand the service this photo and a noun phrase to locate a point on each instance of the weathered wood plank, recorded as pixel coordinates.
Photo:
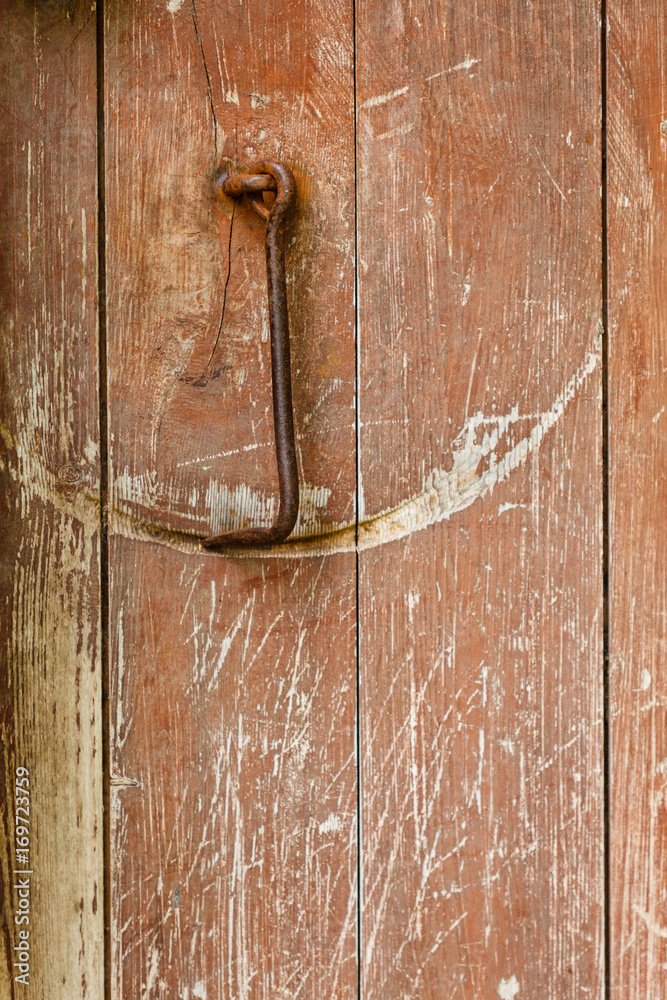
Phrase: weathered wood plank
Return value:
(233, 680)
(233, 775)
(189, 89)
(637, 158)
(480, 478)
(50, 679)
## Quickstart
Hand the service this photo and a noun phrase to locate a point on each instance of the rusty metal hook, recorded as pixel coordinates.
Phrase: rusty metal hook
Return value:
(268, 175)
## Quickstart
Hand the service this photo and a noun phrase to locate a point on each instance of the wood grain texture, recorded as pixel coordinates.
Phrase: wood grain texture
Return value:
(187, 91)
(637, 159)
(233, 776)
(50, 679)
(232, 680)
(480, 468)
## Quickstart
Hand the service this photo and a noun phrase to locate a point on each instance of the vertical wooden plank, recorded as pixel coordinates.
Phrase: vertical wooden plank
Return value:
(233, 775)
(190, 88)
(480, 477)
(232, 679)
(637, 158)
(50, 680)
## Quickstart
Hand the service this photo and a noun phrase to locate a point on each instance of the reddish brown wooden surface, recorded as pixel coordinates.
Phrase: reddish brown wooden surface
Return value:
(480, 496)
(233, 679)
(187, 90)
(233, 772)
(233, 775)
(637, 102)
(50, 681)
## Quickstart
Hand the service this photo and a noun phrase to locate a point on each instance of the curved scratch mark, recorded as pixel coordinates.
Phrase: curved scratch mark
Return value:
(445, 493)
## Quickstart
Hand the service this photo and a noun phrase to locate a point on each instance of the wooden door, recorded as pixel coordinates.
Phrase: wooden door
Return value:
(415, 751)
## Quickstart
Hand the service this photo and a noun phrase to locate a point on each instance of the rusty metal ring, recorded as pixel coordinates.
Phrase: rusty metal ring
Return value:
(269, 175)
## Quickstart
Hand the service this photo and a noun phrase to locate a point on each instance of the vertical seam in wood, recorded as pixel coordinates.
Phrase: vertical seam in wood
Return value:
(356, 499)
(606, 750)
(104, 493)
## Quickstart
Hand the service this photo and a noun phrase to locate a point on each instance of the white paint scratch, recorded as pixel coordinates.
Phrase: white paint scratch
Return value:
(653, 926)
(223, 454)
(84, 258)
(413, 600)
(510, 506)
(399, 130)
(259, 100)
(332, 824)
(508, 988)
(223, 507)
(374, 102)
(151, 978)
(550, 175)
(28, 208)
(450, 491)
(466, 64)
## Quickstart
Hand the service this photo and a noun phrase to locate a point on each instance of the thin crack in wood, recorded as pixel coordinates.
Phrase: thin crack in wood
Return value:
(208, 80)
(224, 294)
